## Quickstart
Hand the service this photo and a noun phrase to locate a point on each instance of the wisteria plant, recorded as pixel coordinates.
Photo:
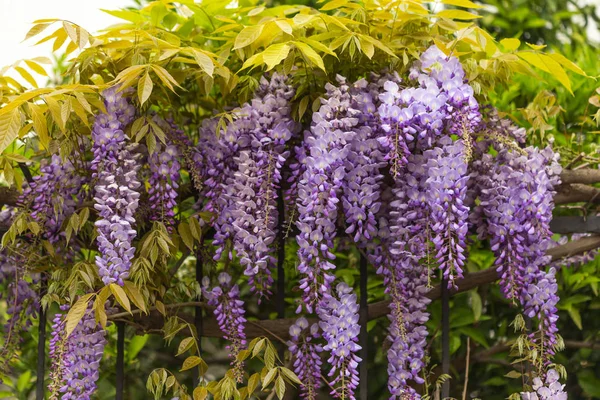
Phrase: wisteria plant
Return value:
(258, 165)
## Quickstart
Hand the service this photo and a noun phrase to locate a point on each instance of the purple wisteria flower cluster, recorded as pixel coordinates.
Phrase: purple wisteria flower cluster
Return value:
(164, 182)
(117, 187)
(547, 389)
(229, 312)
(76, 358)
(243, 177)
(306, 354)
(338, 313)
(52, 195)
(517, 202)
(328, 147)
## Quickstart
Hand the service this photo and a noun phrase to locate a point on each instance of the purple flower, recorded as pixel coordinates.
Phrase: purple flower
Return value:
(229, 312)
(116, 198)
(76, 358)
(306, 356)
(338, 314)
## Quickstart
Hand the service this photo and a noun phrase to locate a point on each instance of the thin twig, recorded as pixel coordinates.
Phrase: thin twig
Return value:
(464, 396)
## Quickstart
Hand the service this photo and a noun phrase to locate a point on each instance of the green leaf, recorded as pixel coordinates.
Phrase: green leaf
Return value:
(333, 5)
(40, 124)
(76, 313)
(568, 64)
(269, 377)
(310, 54)
(275, 54)
(476, 305)
(575, 316)
(248, 35)
(136, 344)
(10, 123)
(120, 296)
(200, 393)
(284, 26)
(144, 89)
(457, 14)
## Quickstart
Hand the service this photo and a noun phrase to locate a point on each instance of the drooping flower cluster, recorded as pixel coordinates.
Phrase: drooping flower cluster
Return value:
(164, 182)
(306, 354)
(517, 203)
(116, 198)
(52, 195)
(548, 389)
(338, 313)
(318, 197)
(229, 312)
(243, 176)
(76, 359)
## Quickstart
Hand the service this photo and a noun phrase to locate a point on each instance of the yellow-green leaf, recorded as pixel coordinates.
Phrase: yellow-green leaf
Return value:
(462, 3)
(200, 393)
(120, 296)
(248, 35)
(36, 29)
(332, 5)
(185, 345)
(204, 61)
(165, 77)
(134, 294)
(36, 67)
(144, 88)
(27, 76)
(10, 123)
(190, 363)
(547, 64)
(284, 26)
(568, 64)
(39, 124)
(280, 387)
(275, 54)
(457, 14)
(510, 44)
(76, 313)
(310, 54)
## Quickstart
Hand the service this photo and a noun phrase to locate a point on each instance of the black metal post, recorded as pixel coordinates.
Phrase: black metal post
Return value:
(198, 318)
(40, 388)
(120, 385)
(364, 318)
(445, 336)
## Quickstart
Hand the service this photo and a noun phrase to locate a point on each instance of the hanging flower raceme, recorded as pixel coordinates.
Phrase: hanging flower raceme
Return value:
(243, 169)
(306, 355)
(517, 203)
(361, 186)
(318, 190)
(52, 195)
(163, 184)
(446, 193)
(76, 359)
(547, 389)
(406, 277)
(229, 312)
(117, 185)
(338, 313)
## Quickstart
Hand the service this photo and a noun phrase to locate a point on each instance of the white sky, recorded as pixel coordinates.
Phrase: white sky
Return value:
(16, 18)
